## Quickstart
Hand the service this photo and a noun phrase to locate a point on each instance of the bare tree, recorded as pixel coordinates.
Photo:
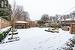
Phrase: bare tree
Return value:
(17, 14)
(13, 18)
(20, 14)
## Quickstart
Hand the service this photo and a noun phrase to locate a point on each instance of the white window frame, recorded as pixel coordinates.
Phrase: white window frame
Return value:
(5, 4)
(2, 4)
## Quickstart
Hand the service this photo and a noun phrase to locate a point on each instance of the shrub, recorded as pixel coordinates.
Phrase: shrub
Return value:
(54, 25)
(1, 36)
(4, 34)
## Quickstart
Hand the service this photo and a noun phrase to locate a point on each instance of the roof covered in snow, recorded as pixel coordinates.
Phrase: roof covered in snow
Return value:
(69, 19)
(21, 22)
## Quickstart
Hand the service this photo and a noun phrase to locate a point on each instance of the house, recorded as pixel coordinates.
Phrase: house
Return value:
(21, 24)
(66, 24)
(25, 24)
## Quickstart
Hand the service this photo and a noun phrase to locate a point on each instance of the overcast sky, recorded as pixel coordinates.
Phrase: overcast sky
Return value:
(36, 8)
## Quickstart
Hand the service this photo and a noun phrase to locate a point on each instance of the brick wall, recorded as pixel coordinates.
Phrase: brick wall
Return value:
(72, 31)
(4, 23)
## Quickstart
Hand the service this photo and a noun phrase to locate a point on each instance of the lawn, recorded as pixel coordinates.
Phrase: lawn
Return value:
(37, 39)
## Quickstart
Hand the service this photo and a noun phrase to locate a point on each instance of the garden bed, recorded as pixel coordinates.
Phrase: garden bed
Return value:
(53, 30)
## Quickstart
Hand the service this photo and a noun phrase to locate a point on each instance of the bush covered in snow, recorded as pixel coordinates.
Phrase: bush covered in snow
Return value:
(3, 34)
(70, 44)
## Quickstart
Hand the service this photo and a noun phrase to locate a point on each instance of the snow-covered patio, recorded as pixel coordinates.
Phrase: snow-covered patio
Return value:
(37, 39)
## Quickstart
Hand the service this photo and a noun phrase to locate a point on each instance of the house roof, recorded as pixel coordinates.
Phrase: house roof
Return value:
(21, 22)
(69, 19)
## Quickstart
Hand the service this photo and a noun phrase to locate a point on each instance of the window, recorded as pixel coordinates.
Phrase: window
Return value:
(5, 4)
(2, 4)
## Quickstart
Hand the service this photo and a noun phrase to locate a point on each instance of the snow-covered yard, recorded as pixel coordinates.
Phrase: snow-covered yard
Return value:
(37, 39)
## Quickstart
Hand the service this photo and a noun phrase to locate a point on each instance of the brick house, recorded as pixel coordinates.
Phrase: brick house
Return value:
(25, 24)
(21, 24)
(66, 24)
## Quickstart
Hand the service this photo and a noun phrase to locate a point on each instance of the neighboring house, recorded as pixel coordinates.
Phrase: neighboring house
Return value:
(66, 24)
(25, 24)
(21, 24)
(4, 23)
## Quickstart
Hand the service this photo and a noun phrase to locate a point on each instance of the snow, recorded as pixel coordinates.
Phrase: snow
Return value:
(68, 19)
(21, 22)
(37, 39)
(5, 29)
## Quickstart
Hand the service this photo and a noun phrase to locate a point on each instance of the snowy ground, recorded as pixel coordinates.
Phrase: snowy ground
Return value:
(37, 39)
